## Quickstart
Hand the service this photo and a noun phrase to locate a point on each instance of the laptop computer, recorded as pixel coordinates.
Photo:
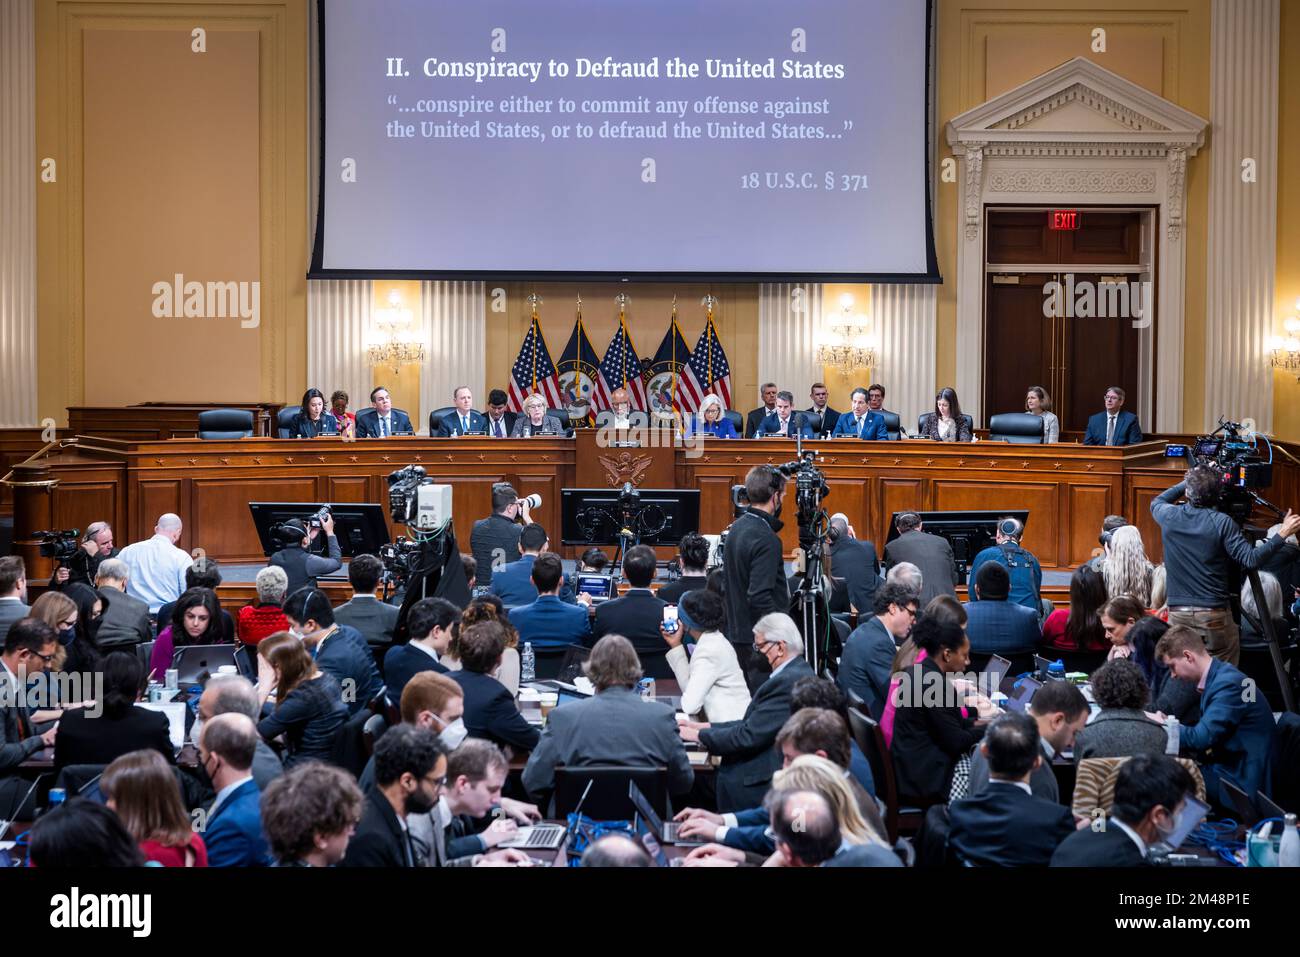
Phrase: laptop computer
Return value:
(1267, 808)
(1022, 693)
(1041, 665)
(547, 837)
(653, 847)
(994, 673)
(664, 832)
(1189, 819)
(1241, 802)
(599, 586)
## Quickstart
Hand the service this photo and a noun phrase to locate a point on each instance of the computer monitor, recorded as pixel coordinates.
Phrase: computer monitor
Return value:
(360, 528)
(592, 516)
(968, 533)
(1022, 694)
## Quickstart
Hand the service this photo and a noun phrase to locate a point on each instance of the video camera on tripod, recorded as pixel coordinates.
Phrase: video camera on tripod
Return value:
(1233, 453)
(59, 545)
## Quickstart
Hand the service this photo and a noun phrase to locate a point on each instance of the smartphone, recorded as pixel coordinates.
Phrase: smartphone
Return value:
(670, 618)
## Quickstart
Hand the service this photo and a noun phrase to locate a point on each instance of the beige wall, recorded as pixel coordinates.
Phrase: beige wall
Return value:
(1286, 388)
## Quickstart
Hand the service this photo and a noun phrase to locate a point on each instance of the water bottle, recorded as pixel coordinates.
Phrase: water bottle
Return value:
(1172, 730)
(527, 664)
(59, 795)
(1056, 671)
(1288, 854)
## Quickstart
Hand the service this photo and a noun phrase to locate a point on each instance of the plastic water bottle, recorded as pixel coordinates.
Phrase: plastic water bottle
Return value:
(1172, 730)
(527, 664)
(1056, 671)
(1288, 854)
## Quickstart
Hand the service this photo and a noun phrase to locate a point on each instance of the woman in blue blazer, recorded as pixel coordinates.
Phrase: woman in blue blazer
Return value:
(709, 419)
(313, 420)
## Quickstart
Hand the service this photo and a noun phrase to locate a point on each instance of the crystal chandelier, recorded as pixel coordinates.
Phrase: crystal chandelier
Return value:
(846, 344)
(393, 343)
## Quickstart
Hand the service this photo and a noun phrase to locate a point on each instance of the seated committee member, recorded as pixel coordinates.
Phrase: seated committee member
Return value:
(1114, 426)
(234, 822)
(309, 707)
(785, 420)
(931, 554)
(298, 563)
(29, 646)
(266, 615)
(125, 621)
(1038, 402)
(620, 415)
(157, 567)
(615, 726)
(746, 746)
(711, 420)
(312, 419)
(373, 619)
(754, 421)
(115, 726)
(513, 582)
(945, 423)
(310, 814)
(381, 420)
(141, 789)
(996, 625)
(1233, 741)
(861, 423)
(347, 421)
(1060, 710)
(548, 622)
(693, 560)
(866, 666)
(1121, 728)
(822, 419)
(1005, 825)
(337, 649)
(490, 710)
(464, 420)
(428, 624)
(710, 679)
(1150, 790)
(638, 613)
(494, 540)
(500, 420)
(535, 421)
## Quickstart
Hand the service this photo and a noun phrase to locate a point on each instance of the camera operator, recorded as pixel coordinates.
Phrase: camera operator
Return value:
(1201, 547)
(301, 567)
(754, 564)
(497, 536)
(96, 545)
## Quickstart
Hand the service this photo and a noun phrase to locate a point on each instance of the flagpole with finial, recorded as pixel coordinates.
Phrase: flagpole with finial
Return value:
(674, 336)
(535, 300)
(708, 339)
(621, 299)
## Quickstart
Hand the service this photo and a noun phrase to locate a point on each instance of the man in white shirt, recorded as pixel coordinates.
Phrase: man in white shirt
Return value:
(157, 567)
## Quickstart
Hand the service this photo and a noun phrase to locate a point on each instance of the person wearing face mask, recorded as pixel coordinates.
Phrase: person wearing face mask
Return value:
(233, 827)
(755, 567)
(338, 650)
(309, 706)
(429, 625)
(226, 694)
(1150, 791)
(429, 700)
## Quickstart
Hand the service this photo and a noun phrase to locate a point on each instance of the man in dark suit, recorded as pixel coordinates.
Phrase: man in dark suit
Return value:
(490, 710)
(373, 619)
(1114, 426)
(620, 416)
(613, 727)
(381, 420)
(855, 562)
(754, 564)
(746, 747)
(1233, 740)
(754, 421)
(233, 829)
(861, 423)
(549, 622)
(513, 583)
(495, 539)
(464, 421)
(1150, 791)
(638, 615)
(125, 621)
(821, 418)
(429, 625)
(28, 647)
(500, 420)
(930, 553)
(693, 556)
(867, 663)
(996, 625)
(785, 420)
(410, 773)
(1005, 825)
(1060, 710)
(13, 592)
(339, 650)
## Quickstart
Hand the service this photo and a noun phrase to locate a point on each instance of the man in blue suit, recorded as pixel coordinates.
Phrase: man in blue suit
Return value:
(464, 421)
(381, 420)
(1114, 426)
(1234, 738)
(785, 421)
(868, 659)
(429, 625)
(513, 582)
(549, 622)
(1005, 825)
(861, 422)
(997, 626)
(233, 830)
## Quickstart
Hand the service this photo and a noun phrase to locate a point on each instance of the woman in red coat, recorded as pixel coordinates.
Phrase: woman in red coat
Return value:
(265, 616)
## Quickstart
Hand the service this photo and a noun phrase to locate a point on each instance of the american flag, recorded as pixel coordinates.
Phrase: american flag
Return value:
(707, 372)
(534, 372)
(621, 369)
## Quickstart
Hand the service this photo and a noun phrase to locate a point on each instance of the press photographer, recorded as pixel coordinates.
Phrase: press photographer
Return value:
(296, 537)
(754, 563)
(79, 562)
(495, 540)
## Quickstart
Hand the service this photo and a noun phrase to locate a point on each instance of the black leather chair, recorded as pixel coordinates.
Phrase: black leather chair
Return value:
(284, 421)
(737, 421)
(1018, 428)
(436, 417)
(608, 799)
(192, 661)
(225, 424)
(893, 425)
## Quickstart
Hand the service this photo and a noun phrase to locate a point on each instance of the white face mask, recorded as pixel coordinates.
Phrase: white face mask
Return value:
(453, 734)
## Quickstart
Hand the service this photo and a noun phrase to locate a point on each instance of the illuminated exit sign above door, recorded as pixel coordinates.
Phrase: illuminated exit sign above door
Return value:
(1063, 219)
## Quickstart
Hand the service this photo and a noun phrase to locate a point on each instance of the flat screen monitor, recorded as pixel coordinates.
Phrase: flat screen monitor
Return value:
(592, 516)
(968, 533)
(360, 529)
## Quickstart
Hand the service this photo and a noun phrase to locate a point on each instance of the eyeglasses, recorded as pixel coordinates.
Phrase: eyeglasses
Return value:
(45, 658)
(438, 782)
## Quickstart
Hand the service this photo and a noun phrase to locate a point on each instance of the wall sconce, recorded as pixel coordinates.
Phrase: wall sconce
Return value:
(392, 341)
(847, 344)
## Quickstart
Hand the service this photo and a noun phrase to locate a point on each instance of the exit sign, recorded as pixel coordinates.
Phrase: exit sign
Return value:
(1062, 219)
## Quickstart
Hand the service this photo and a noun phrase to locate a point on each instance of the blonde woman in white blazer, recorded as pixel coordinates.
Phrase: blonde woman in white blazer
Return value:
(711, 680)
